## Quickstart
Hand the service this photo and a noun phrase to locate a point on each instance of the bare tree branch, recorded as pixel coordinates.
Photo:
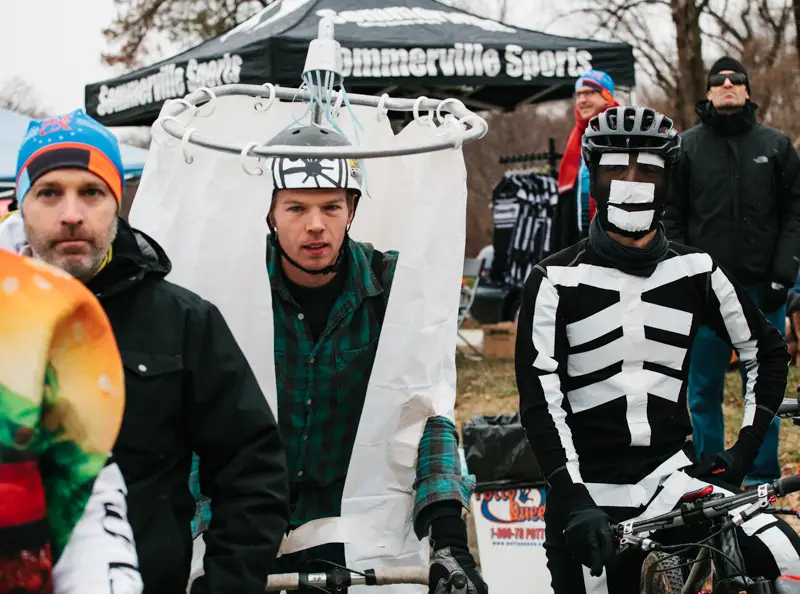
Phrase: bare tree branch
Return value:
(796, 11)
(19, 96)
(139, 25)
(745, 18)
(725, 43)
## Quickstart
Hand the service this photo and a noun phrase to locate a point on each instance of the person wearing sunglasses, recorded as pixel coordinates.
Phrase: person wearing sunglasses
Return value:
(736, 196)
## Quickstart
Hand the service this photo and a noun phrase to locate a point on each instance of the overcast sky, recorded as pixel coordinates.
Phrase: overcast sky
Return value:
(55, 45)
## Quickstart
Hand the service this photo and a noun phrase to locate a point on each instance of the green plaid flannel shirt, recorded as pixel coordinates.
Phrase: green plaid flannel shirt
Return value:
(322, 387)
(321, 391)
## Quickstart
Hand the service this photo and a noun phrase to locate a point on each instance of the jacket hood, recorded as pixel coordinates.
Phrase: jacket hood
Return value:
(12, 234)
(731, 124)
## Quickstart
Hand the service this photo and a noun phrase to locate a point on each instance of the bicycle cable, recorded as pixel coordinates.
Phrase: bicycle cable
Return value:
(337, 566)
(684, 547)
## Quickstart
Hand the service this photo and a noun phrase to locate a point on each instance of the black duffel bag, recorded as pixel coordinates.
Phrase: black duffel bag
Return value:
(497, 450)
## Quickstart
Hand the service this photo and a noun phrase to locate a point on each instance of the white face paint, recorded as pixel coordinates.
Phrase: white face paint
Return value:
(615, 159)
(650, 159)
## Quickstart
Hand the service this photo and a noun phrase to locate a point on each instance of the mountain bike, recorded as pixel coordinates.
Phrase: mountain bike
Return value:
(717, 567)
(338, 578)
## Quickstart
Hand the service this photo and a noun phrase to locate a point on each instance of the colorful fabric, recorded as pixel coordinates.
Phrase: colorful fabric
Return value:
(322, 387)
(72, 140)
(571, 160)
(599, 80)
(61, 403)
(202, 516)
(439, 475)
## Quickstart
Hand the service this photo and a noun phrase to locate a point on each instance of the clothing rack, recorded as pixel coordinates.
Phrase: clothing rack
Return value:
(551, 157)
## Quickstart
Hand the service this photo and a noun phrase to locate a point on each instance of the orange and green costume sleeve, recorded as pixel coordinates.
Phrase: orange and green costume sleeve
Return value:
(61, 404)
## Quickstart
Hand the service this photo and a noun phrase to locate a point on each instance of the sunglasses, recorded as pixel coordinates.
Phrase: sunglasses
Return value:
(736, 78)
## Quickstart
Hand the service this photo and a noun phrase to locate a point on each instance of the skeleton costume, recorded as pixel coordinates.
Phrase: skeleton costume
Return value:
(602, 359)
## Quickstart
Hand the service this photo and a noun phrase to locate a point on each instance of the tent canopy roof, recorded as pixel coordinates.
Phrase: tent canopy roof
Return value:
(403, 47)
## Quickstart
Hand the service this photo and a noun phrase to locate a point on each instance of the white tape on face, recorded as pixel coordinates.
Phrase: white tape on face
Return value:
(650, 159)
(639, 220)
(615, 159)
(627, 192)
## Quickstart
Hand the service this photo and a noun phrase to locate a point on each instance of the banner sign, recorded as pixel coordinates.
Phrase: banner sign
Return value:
(176, 80)
(510, 530)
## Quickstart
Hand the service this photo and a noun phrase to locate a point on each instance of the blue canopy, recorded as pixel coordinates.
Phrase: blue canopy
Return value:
(13, 127)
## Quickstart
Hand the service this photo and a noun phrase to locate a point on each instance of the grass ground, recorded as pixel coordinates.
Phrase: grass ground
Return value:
(488, 387)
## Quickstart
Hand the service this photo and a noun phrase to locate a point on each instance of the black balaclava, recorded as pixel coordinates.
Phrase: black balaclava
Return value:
(631, 209)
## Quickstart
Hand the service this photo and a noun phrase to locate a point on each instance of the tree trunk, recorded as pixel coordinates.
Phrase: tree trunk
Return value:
(691, 71)
(504, 9)
(796, 4)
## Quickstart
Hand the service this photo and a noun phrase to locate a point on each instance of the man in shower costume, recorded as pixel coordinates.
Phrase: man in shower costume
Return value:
(329, 297)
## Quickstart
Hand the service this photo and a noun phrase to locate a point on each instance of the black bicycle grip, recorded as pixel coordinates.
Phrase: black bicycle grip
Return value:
(784, 486)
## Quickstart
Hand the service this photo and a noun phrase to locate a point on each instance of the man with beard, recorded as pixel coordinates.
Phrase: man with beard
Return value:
(189, 387)
(601, 364)
(737, 197)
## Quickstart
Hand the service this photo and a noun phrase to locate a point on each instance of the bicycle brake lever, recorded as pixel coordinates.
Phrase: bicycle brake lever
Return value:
(456, 584)
(783, 511)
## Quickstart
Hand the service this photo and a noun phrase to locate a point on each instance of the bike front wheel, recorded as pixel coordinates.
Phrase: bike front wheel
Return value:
(661, 574)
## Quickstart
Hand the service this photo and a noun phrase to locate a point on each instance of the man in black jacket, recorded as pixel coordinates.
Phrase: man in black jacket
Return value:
(189, 387)
(737, 197)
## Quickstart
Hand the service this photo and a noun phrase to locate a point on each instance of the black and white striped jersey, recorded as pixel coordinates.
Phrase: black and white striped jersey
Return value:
(602, 359)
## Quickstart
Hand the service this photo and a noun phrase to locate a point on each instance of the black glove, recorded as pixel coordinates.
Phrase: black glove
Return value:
(587, 530)
(451, 552)
(589, 538)
(773, 296)
(730, 466)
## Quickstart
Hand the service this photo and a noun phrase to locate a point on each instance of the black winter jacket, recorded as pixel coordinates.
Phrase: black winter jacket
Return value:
(736, 196)
(189, 388)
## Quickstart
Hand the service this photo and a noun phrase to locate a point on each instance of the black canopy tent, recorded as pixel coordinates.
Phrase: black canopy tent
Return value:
(405, 48)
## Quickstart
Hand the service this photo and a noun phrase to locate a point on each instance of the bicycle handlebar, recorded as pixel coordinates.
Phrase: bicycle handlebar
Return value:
(789, 406)
(329, 579)
(784, 486)
(689, 513)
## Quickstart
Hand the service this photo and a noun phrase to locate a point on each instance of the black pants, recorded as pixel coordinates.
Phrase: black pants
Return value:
(313, 561)
(624, 570)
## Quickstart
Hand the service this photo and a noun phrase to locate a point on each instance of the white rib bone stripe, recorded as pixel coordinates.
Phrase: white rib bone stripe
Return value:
(544, 340)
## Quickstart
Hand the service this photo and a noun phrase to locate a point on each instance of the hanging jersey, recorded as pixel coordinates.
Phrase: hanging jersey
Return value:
(61, 402)
(602, 359)
(532, 233)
